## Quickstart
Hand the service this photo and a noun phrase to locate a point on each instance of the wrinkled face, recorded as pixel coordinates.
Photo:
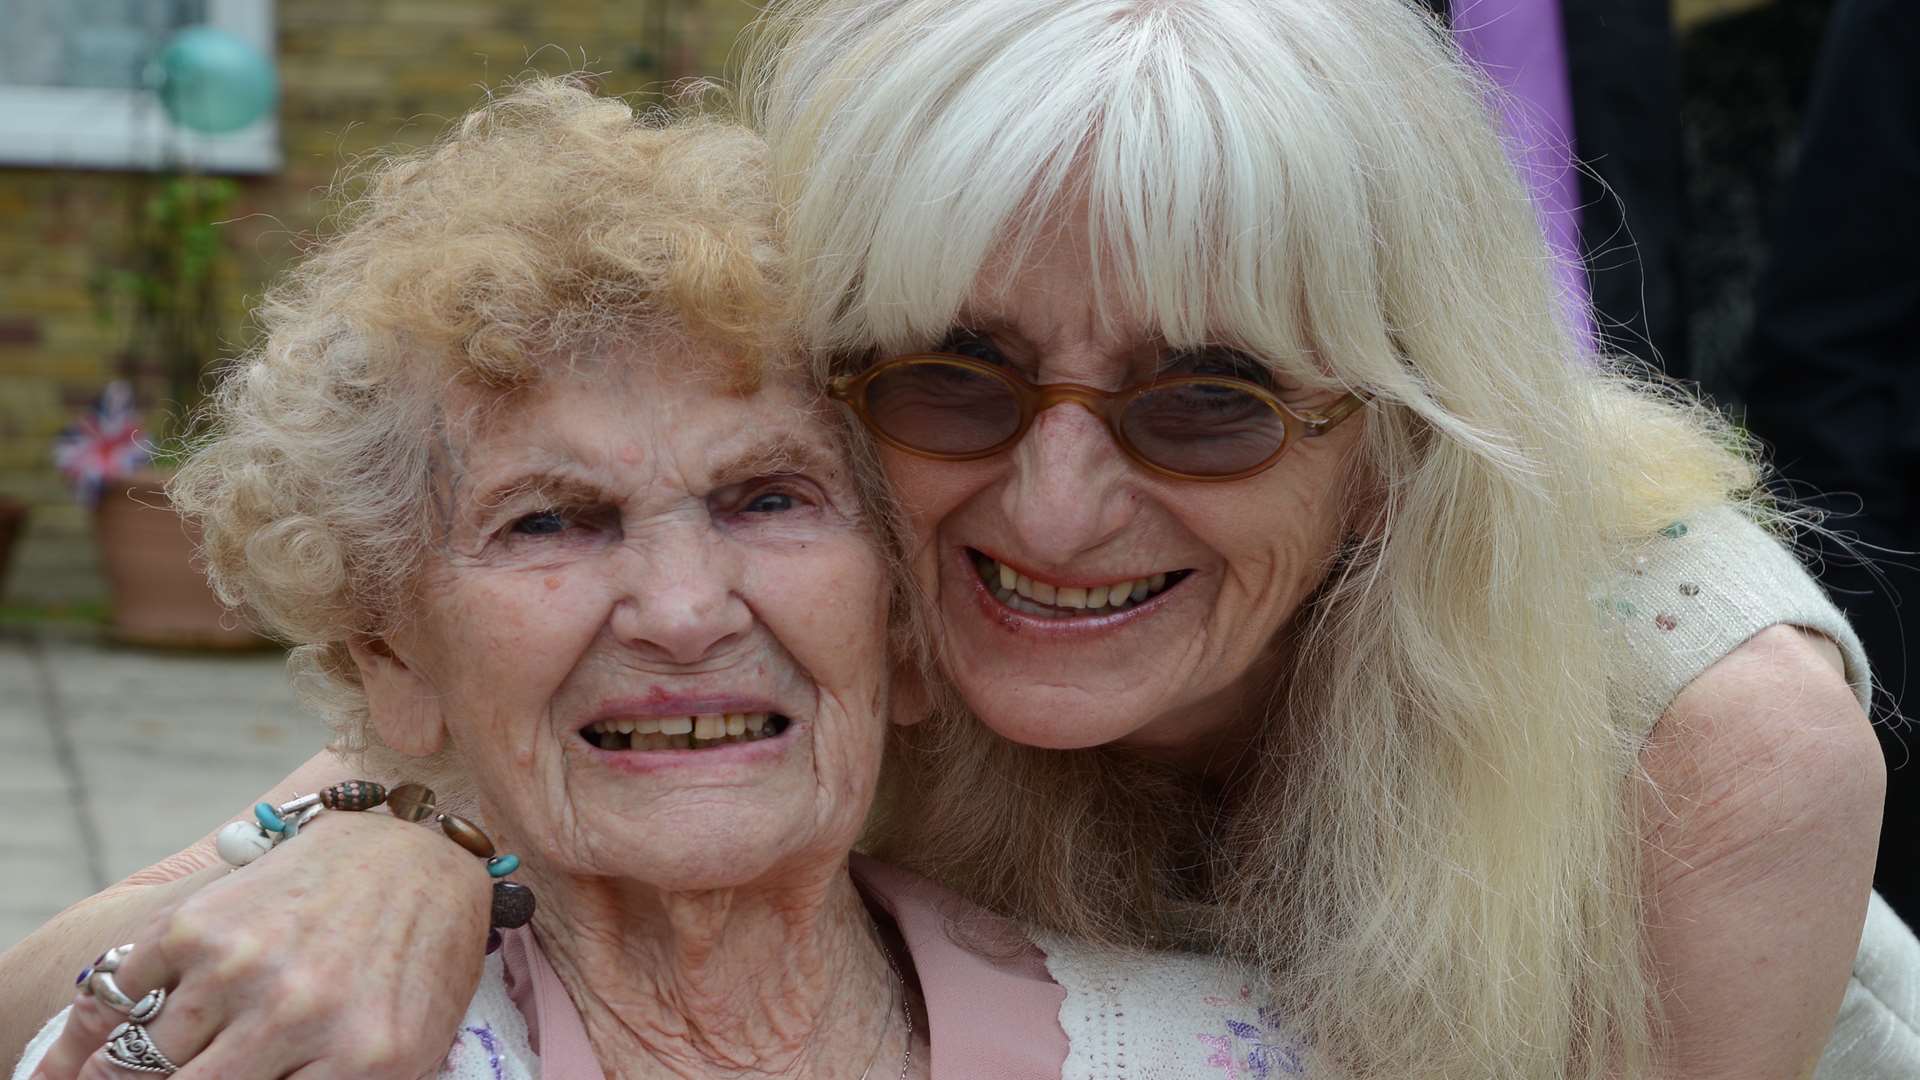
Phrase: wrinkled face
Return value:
(655, 630)
(1199, 578)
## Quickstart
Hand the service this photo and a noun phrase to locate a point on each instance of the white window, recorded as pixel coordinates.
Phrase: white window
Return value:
(76, 86)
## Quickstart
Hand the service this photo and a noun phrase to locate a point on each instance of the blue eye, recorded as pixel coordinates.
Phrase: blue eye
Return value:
(544, 523)
(773, 502)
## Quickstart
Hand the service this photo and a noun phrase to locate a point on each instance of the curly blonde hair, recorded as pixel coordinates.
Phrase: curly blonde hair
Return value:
(1432, 848)
(544, 225)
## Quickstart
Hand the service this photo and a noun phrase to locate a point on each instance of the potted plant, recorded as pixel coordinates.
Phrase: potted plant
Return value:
(168, 289)
(167, 284)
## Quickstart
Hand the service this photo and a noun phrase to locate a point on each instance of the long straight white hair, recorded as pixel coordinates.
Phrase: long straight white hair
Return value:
(1432, 851)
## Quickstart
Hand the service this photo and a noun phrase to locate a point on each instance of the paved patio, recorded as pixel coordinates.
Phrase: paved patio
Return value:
(111, 758)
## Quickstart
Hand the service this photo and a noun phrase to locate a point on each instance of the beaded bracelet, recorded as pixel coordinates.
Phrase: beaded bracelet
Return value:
(241, 842)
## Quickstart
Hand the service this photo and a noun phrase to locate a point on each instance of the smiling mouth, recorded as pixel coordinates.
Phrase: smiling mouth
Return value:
(684, 732)
(1048, 601)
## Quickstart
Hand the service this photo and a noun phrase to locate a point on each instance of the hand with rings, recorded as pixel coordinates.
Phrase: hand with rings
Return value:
(128, 1046)
(245, 977)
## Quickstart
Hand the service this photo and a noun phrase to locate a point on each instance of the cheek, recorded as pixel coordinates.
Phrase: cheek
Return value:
(1277, 537)
(827, 606)
(931, 490)
(505, 637)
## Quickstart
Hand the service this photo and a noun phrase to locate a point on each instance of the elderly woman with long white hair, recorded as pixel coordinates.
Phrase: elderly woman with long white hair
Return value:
(1302, 595)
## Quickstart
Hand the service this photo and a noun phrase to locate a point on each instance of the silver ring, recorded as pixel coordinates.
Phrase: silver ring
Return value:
(130, 1048)
(147, 1009)
(101, 985)
(110, 960)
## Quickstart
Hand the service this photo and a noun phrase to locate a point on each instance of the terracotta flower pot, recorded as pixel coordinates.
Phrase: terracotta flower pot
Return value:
(160, 596)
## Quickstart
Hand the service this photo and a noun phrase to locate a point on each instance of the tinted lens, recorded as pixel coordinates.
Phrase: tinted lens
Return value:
(942, 407)
(1204, 428)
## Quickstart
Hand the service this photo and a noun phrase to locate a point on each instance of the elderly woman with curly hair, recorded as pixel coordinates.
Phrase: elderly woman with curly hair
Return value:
(1302, 594)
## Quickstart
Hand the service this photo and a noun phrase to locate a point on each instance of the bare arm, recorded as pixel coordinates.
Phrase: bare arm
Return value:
(36, 975)
(354, 947)
(1759, 854)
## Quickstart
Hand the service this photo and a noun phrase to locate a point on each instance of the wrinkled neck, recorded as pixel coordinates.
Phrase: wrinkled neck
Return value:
(778, 978)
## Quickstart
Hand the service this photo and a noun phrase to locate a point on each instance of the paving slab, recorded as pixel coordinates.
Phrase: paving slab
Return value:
(111, 758)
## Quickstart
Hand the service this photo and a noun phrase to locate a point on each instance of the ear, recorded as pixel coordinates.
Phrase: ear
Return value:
(909, 699)
(404, 707)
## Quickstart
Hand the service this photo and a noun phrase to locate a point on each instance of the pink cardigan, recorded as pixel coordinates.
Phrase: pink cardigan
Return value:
(993, 1014)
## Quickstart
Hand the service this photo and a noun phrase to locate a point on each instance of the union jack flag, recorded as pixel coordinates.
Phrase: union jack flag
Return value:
(103, 445)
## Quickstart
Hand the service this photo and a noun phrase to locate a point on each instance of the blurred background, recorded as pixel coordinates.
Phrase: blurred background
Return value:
(161, 159)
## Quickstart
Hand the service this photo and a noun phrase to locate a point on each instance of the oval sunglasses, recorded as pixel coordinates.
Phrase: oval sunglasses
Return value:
(1206, 428)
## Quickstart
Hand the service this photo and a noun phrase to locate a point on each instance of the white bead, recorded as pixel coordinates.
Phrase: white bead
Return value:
(241, 842)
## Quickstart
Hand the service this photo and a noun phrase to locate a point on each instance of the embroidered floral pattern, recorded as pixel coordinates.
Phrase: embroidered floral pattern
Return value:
(1264, 1049)
(488, 1045)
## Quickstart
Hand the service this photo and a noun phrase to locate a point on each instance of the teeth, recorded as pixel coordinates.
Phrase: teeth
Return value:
(1006, 583)
(679, 732)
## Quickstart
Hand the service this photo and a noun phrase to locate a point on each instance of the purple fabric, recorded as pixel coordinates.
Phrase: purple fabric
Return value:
(1521, 45)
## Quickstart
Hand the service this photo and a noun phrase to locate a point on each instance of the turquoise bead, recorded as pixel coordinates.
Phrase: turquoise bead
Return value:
(270, 821)
(502, 865)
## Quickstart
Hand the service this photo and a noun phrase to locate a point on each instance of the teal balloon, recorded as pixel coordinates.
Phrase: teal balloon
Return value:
(213, 82)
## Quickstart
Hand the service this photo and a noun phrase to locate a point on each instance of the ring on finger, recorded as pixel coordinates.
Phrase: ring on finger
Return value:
(101, 985)
(130, 1048)
(147, 1009)
(112, 958)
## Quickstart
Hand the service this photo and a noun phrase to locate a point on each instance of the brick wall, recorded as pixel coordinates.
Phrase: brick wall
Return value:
(355, 74)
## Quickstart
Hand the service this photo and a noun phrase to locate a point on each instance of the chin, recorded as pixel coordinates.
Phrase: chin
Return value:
(1053, 722)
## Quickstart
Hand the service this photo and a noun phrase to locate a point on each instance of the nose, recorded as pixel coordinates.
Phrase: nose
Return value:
(680, 602)
(1068, 490)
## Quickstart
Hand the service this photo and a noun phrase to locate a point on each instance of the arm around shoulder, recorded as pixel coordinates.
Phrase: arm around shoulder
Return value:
(36, 974)
(1760, 823)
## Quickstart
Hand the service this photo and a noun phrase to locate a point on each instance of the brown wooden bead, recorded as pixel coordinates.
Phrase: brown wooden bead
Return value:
(467, 835)
(512, 905)
(353, 795)
(411, 802)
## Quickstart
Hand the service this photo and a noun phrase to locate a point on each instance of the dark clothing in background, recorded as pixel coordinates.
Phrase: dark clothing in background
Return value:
(1833, 374)
(1623, 69)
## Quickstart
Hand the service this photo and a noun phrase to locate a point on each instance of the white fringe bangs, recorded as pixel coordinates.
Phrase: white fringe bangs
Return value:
(1230, 162)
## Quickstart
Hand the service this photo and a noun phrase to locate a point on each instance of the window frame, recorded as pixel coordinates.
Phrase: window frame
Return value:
(76, 127)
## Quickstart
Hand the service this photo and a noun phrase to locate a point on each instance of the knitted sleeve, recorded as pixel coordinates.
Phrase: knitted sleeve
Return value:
(1697, 592)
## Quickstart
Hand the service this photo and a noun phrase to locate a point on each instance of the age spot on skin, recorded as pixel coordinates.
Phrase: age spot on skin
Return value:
(552, 583)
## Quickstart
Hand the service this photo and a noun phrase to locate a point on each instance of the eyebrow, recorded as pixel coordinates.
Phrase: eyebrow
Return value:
(781, 454)
(557, 482)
